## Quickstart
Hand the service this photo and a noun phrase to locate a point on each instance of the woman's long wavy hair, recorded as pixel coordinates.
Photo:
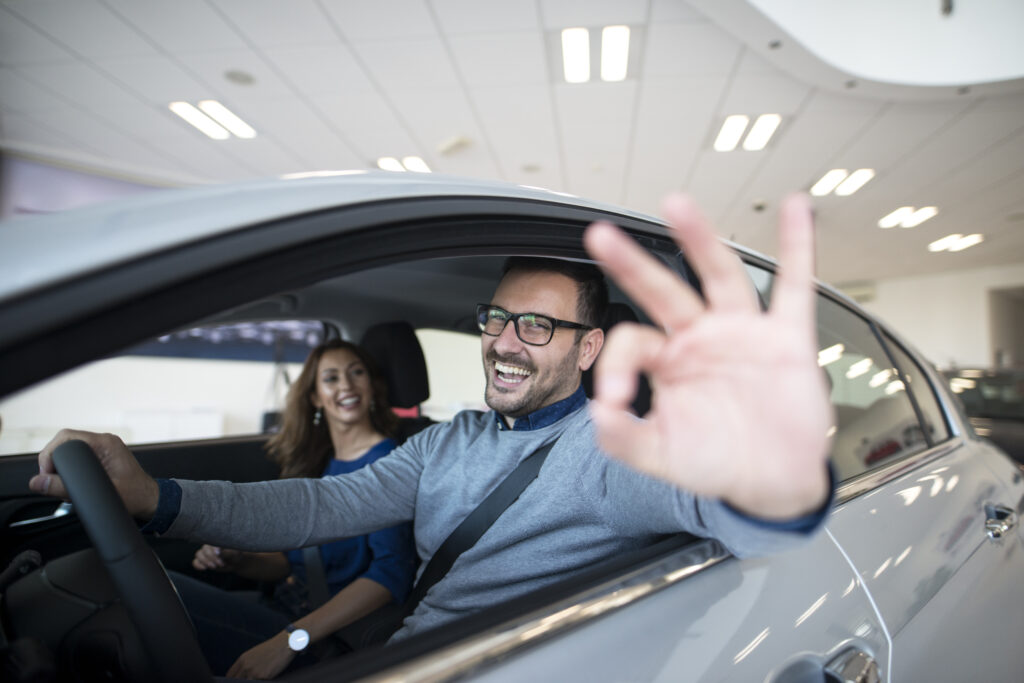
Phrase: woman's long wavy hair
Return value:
(303, 449)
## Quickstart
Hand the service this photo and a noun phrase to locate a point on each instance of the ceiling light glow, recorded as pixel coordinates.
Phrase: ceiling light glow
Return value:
(200, 120)
(761, 132)
(390, 164)
(967, 241)
(614, 53)
(576, 55)
(227, 118)
(415, 164)
(896, 217)
(829, 182)
(945, 243)
(919, 216)
(856, 181)
(731, 132)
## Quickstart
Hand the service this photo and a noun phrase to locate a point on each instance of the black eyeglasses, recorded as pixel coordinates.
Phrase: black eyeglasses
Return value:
(532, 328)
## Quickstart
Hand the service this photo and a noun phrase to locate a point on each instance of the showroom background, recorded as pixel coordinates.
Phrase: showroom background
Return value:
(927, 95)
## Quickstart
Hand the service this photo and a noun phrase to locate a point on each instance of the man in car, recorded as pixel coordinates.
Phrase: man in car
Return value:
(734, 447)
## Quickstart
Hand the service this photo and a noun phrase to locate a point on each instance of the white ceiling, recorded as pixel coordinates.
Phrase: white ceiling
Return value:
(339, 83)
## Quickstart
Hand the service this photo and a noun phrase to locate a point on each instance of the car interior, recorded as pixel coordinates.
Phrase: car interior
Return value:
(50, 559)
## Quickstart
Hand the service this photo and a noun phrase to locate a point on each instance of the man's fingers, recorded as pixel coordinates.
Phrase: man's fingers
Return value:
(621, 434)
(48, 485)
(793, 291)
(669, 301)
(726, 286)
(629, 349)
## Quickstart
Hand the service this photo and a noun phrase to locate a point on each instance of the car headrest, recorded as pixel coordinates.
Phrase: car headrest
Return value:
(399, 357)
(616, 313)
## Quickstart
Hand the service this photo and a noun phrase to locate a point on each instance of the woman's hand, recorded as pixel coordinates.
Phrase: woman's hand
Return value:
(210, 557)
(264, 661)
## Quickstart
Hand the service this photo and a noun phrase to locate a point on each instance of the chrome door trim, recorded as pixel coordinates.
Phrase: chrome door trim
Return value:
(872, 479)
(476, 651)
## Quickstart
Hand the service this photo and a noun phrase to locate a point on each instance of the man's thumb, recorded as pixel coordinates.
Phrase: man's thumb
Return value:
(48, 485)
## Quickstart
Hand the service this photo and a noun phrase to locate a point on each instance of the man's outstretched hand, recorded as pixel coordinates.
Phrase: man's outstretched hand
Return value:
(137, 489)
(740, 409)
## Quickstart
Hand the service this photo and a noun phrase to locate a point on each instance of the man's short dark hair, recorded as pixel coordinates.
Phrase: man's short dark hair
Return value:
(591, 289)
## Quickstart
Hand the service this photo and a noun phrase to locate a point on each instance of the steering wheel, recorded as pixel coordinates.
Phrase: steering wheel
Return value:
(145, 589)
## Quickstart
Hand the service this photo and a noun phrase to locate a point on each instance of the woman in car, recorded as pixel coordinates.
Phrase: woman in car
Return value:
(337, 420)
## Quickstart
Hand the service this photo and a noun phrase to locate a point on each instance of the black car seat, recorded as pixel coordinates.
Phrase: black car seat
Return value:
(616, 313)
(397, 353)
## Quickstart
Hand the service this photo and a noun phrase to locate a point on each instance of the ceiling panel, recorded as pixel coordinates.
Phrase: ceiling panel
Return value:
(519, 122)
(23, 94)
(370, 20)
(688, 49)
(211, 68)
(321, 69)
(472, 16)
(22, 43)
(371, 128)
(596, 126)
(493, 59)
(159, 80)
(85, 86)
(559, 14)
(260, 22)
(306, 133)
(180, 26)
(411, 63)
(86, 27)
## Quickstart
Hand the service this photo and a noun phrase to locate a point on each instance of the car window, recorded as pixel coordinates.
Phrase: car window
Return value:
(934, 419)
(199, 383)
(454, 372)
(875, 420)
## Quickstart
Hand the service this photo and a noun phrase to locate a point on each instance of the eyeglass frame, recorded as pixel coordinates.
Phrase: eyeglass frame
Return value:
(514, 319)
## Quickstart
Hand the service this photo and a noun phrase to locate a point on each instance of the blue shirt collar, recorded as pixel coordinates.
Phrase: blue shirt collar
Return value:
(548, 415)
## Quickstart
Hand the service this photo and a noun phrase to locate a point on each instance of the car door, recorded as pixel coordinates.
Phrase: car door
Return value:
(916, 528)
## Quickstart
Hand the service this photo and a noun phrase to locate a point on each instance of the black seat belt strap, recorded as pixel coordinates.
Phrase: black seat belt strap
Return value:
(479, 520)
(316, 578)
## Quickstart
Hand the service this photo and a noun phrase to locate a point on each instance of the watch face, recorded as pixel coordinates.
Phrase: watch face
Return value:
(298, 639)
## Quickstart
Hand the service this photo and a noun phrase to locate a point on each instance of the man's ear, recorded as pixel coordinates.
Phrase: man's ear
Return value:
(590, 347)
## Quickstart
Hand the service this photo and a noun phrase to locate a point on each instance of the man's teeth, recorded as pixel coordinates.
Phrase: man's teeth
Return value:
(511, 369)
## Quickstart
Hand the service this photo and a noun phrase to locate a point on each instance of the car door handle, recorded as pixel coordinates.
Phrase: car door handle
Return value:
(1000, 520)
(62, 510)
(852, 666)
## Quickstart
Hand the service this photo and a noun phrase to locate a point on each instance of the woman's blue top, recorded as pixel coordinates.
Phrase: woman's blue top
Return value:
(387, 556)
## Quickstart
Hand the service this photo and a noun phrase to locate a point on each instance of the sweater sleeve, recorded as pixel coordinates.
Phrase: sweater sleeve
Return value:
(293, 513)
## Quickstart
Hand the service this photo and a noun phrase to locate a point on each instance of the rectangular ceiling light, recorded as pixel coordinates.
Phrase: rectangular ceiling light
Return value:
(200, 120)
(614, 53)
(576, 55)
(761, 132)
(415, 164)
(731, 132)
(919, 216)
(390, 164)
(830, 354)
(227, 118)
(967, 241)
(856, 181)
(945, 243)
(896, 217)
(828, 182)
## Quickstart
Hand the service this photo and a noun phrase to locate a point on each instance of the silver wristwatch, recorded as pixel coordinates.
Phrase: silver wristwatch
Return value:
(298, 638)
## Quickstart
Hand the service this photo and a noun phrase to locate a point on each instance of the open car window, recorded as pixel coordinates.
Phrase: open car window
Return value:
(207, 381)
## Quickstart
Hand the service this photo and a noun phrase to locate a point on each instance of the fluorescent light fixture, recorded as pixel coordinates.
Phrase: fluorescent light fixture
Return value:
(919, 216)
(859, 368)
(959, 384)
(945, 243)
(200, 120)
(967, 241)
(830, 355)
(896, 217)
(415, 164)
(892, 387)
(227, 118)
(390, 164)
(879, 378)
(761, 132)
(576, 55)
(856, 181)
(731, 132)
(829, 182)
(614, 52)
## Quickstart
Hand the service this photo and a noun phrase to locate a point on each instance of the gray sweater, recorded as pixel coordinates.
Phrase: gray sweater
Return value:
(583, 508)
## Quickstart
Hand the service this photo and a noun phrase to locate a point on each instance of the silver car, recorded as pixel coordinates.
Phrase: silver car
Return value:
(916, 577)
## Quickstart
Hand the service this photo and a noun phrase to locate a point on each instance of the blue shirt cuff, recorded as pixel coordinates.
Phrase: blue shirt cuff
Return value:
(800, 525)
(167, 508)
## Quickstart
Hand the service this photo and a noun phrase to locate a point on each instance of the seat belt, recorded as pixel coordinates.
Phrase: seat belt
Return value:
(316, 578)
(477, 522)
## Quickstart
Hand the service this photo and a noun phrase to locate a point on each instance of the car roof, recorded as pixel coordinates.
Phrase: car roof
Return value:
(99, 236)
